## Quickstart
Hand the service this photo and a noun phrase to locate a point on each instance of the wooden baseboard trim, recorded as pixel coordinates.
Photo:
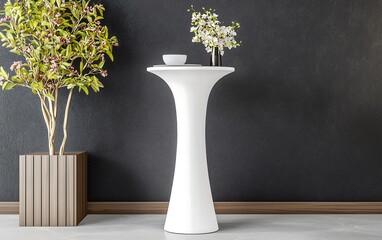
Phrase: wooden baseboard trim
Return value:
(9, 207)
(127, 207)
(298, 207)
(227, 207)
(243, 207)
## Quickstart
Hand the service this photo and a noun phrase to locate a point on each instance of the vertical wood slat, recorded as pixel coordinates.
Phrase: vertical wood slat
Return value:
(83, 187)
(22, 220)
(79, 189)
(37, 169)
(45, 190)
(62, 191)
(29, 190)
(53, 193)
(85, 161)
(55, 189)
(69, 190)
(75, 188)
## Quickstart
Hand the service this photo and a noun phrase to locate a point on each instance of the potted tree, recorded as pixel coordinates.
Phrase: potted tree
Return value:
(63, 47)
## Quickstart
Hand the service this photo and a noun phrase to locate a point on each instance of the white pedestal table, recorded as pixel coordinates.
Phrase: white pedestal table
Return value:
(191, 209)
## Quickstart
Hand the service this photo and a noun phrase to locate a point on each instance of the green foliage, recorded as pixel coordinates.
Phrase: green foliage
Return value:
(63, 44)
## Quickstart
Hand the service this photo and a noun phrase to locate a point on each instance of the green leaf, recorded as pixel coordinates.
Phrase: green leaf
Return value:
(70, 86)
(9, 36)
(2, 36)
(4, 74)
(94, 87)
(8, 86)
(50, 96)
(84, 3)
(85, 89)
(81, 66)
(110, 55)
(4, 85)
(34, 24)
(15, 51)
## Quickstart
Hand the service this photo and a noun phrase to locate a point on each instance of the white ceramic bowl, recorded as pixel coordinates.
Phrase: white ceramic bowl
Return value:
(174, 59)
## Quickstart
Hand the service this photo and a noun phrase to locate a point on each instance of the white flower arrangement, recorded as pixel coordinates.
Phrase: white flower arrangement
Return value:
(209, 31)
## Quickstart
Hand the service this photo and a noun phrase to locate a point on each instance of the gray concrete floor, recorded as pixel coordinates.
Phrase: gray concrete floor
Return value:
(232, 227)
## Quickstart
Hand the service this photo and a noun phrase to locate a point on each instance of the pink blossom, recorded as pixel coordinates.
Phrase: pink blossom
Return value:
(65, 40)
(104, 73)
(88, 9)
(4, 19)
(54, 66)
(28, 49)
(72, 72)
(16, 65)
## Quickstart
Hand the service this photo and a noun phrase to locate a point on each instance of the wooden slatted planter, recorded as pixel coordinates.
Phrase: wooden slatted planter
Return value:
(53, 189)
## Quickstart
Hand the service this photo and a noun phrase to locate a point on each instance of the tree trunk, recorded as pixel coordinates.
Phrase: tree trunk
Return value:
(65, 124)
(49, 112)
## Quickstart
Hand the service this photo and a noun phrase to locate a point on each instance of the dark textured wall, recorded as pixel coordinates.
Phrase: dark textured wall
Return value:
(300, 119)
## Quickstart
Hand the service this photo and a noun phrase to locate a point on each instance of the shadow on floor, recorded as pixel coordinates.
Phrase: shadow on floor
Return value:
(233, 224)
